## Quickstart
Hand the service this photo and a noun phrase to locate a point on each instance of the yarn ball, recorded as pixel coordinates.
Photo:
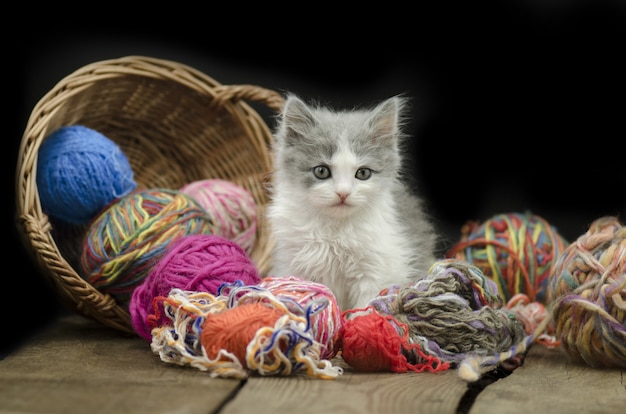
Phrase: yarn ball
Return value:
(131, 235)
(231, 206)
(197, 262)
(371, 343)
(235, 329)
(518, 251)
(318, 301)
(230, 336)
(587, 293)
(455, 311)
(79, 172)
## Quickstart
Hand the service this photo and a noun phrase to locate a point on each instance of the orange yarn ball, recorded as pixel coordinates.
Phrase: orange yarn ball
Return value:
(235, 328)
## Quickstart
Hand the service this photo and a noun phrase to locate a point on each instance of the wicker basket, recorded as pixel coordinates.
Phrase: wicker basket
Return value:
(175, 125)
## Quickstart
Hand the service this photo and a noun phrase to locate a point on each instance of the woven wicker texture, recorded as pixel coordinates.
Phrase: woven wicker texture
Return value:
(174, 123)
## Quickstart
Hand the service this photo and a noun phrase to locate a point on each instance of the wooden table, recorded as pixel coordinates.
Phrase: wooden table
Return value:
(77, 365)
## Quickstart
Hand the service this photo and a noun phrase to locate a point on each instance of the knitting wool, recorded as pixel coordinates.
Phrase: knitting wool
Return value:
(79, 172)
(319, 304)
(231, 207)
(587, 294)
(518, 251)
(235, 329)
(373, 342)
(453, 312)
(196, 262)
(243, 330)
(130, 236)
(532, 315)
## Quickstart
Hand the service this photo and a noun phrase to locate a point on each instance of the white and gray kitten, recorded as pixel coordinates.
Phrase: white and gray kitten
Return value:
(340, 213)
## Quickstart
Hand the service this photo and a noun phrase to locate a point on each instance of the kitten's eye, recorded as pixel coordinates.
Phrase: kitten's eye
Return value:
(363, 174)
(321, 171)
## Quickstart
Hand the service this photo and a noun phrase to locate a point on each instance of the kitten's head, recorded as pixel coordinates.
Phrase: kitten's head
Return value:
(338, 162)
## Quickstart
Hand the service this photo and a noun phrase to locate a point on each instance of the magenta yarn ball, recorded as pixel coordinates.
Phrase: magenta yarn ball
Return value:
(197, 263)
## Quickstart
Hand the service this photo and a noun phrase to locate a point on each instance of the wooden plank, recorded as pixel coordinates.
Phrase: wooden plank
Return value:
(79, 366)
(548, 382)
(352, 392)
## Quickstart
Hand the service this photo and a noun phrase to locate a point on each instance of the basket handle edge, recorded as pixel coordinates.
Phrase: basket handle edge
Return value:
(234, 93)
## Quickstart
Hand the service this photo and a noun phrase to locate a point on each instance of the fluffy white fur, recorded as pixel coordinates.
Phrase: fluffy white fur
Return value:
(356, 236)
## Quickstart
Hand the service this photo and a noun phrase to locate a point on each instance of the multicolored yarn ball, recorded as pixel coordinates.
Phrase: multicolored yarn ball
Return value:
(587, 295)
(79, 172)
(131, 235)
(196, 262)
(319, 303)
(518, 251)
(453, 313)
(231, 206)
(243, 330)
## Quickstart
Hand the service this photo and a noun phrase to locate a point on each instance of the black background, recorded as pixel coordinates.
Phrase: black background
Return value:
(514, 108)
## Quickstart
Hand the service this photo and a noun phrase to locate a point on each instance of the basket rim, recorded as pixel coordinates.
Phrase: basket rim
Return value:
(33, 224)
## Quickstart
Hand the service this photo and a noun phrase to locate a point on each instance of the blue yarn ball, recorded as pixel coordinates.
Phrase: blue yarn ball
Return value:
(79, 172)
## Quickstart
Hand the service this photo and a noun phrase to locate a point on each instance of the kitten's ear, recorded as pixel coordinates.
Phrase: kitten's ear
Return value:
(386, 119)
(296, 117)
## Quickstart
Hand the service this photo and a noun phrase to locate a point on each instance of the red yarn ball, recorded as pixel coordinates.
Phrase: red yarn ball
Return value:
(371, 343)
(198, 263)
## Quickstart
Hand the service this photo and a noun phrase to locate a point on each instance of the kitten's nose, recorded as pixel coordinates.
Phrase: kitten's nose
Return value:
(343, 196)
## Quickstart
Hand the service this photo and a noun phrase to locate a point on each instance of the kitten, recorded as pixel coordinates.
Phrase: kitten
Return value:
(339, 213)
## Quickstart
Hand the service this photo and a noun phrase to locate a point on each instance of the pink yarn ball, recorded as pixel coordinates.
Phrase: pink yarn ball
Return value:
(197, 263)
(231, 206)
